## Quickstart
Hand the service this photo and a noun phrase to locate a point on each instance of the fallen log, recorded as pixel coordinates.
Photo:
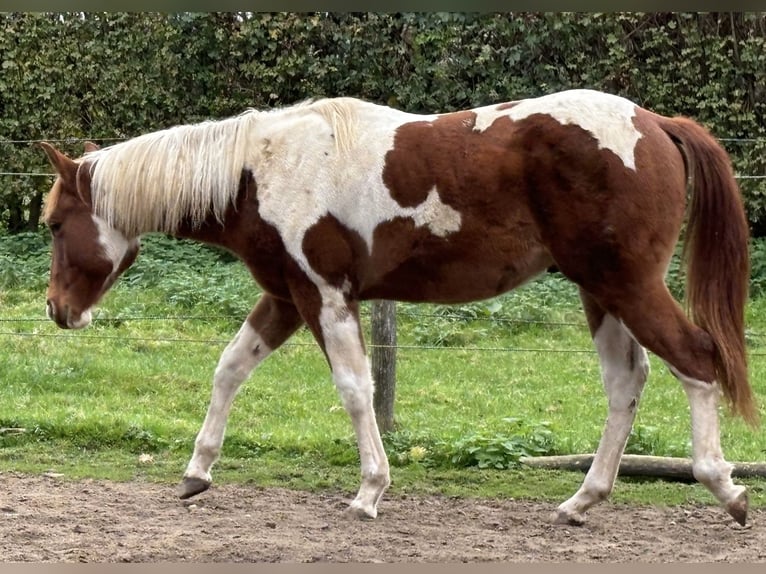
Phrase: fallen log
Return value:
(641, 465)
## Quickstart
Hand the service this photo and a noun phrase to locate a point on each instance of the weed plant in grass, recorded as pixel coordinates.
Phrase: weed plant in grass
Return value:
(479, 385)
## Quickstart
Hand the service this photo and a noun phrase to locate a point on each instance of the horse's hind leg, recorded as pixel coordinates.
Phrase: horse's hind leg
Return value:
(709, 466)
(268, 325)
(656, 320)
(624, 369)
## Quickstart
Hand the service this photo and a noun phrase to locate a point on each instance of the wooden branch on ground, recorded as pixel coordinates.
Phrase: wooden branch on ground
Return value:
(641, 465)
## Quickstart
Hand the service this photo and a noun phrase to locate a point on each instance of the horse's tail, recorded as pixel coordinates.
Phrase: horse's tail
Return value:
(716, 256)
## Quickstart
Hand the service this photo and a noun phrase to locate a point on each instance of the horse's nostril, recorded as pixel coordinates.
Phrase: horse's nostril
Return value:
(49, 309)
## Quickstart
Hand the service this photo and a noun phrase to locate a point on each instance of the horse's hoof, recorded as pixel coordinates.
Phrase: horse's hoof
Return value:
(738, 507)
(563, 517)
(191, 486)
(358, 513)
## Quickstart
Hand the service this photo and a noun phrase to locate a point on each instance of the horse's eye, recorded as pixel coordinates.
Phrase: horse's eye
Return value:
(54, 227)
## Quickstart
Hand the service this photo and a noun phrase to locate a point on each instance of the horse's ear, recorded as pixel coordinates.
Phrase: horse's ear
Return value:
(67, 170)
(83, 186)
(90, 146)
(65, 167)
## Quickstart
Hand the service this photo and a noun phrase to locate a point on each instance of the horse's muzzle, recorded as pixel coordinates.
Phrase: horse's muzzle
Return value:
(64, 318)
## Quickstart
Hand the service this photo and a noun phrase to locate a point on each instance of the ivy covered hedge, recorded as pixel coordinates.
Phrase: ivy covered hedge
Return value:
(114, 75)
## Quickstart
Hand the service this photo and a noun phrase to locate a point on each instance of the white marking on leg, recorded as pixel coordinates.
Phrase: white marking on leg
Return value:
(606, 117)
(352, 377)
(624, 370)
(237, 361)
(709, 466)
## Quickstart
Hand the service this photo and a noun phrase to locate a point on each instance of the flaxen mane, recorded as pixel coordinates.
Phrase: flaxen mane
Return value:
(155, 181)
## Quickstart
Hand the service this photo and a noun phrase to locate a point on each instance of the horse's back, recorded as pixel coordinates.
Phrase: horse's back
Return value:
(469, 204)
(600, 194)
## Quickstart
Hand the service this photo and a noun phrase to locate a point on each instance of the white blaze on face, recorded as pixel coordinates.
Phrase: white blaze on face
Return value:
(115, 244)
(606, 117)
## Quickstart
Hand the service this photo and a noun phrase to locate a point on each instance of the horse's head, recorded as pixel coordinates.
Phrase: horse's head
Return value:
(87, 254)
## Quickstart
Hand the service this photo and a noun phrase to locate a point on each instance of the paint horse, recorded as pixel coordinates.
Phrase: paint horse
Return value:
(335, 201)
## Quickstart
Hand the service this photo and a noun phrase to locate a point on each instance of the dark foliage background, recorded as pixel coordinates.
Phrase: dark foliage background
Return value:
(74, 75)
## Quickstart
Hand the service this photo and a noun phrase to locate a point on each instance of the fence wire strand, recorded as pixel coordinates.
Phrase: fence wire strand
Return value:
(405, 347)
(297, 344)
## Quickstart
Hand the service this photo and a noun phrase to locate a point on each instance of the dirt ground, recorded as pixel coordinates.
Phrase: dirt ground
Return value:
(49, 519)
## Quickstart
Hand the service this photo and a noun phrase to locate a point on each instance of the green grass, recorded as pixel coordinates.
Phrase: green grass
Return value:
(138, 382)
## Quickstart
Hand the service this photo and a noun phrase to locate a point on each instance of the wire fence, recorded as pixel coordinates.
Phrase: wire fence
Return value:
(192, 340)
(551, 325)
(210, 318)
(455, 316)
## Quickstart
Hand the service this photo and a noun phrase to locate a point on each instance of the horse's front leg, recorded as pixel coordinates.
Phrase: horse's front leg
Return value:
(337, 329)
(269, 324)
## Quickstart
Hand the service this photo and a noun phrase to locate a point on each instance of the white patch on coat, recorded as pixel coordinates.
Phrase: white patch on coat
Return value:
(606, 117)
(300, 184)
(440, 218)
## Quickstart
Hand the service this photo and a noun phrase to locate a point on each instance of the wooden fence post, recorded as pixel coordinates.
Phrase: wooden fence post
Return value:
(383, 335)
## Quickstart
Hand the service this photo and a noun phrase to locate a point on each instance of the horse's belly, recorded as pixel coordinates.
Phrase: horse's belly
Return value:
(446, 277)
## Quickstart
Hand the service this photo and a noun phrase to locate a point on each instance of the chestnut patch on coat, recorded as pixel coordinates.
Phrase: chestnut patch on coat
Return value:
(256, 242)
(274, 320)
(334, 251)
(424, 156)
